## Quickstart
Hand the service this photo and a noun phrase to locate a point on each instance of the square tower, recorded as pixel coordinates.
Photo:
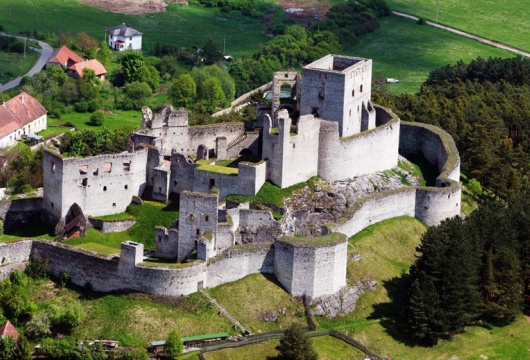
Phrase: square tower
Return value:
(338, 88)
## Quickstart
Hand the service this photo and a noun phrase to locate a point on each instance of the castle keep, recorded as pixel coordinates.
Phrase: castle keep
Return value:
(330, 130)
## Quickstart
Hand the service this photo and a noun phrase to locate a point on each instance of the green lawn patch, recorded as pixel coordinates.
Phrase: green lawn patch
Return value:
(155, 262)
(245, 299)
(120, 216)
(14, 64)
(503, 21)
(112, 121)
(102, 249)
(258, 351)
(106, 243)
(179, 25)
(404, 50)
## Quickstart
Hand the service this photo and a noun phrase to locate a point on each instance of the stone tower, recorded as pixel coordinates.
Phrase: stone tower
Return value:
(338, 88)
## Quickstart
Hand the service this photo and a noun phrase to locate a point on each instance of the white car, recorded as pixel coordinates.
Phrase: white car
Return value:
(392, 80)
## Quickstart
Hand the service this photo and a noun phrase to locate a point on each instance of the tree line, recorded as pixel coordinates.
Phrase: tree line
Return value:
(470, 272)
(485, 106)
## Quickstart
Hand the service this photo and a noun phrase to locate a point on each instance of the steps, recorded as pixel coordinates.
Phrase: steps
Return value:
(223, 311)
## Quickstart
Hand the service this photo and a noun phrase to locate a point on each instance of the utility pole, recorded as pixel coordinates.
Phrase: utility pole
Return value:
(224, 44)
(9, 11)
(25, 42)
(437, 10)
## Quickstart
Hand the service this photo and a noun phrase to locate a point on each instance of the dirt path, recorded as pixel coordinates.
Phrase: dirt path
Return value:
(468, 35)
(45, 54)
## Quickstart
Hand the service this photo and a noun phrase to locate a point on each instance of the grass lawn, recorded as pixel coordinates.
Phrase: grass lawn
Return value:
(112, 121)
(179, 25)
(327, 347)
(247, 298)
(14, 64)
(406, 51)
(503, 21)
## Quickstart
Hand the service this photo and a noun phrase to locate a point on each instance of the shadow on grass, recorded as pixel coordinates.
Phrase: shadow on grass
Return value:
(391, 315)
(271, 278)
(428, 170)
(35, 230)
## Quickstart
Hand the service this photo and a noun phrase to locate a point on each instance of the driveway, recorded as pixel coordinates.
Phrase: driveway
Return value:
(45, 54)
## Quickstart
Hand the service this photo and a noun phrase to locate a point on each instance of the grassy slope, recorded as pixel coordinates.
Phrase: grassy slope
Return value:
(112, 121)
(14, 65)
(180, 25)
(404, 50)
(328, 348)
(487, 18)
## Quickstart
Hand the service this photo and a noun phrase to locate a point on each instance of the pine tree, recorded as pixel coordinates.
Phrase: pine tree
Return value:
(507, 271)
(22, 349)
(295, 345)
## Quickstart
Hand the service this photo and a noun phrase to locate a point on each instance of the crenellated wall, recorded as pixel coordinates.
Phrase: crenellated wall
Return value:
(364, 153)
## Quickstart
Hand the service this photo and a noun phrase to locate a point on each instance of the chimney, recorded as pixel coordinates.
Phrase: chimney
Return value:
(5, 103)
(22, 98)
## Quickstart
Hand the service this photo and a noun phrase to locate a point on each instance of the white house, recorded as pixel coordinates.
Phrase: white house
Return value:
(124, 37)
(20, 116)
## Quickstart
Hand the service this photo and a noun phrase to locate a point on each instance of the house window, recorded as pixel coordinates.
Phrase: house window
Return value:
(104, 188)
(206, 218)
(130, 38)
(361, 89)
(126, 187)
(84, 182)
(321, 95)
(198, 232)
(353, 93)
(53, 162)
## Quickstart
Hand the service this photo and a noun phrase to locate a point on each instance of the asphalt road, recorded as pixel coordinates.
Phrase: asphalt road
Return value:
(468, 35)
(45, 54)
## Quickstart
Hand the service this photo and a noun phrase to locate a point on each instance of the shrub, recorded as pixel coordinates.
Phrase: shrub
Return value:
(421, 21)
(81, 106)
(97, 119)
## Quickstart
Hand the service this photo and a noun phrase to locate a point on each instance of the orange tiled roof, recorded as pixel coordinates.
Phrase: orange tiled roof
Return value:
(8, 330)
(18, 112)
(93, 64)
(62, 55)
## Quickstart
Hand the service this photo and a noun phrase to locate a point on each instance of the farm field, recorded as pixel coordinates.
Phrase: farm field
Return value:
(404, 50)
(502, 21)
(14, 64)
(179, 25)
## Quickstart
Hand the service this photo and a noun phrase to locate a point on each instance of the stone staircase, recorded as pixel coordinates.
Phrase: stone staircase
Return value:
(223, 311)
(236, 141)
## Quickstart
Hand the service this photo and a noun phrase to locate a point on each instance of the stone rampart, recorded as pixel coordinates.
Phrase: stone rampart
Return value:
(311, 266)
(239, 261)
(429, 204)
(207, 134)
(364, 153)
(14, 256)
(111, 226)
(251, 142)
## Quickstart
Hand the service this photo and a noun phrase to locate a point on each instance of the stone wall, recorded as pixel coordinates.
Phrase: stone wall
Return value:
(291, 158)
(166, 243)
(240, 261)
(19, 213)
(364, 153)
(313, 267)
(429, 204)
(14, 256)
(100, 185)
(111, 226)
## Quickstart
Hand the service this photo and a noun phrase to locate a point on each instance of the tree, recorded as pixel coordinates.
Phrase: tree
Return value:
(22, 349)
(174, 345)
(7, 348)
(211, 52)
(103, 52)
(182, 91)
(295, 345)
(136, 95)
(39, 326)
(212, 94)
(85, 41)
(97, 118)
(131, 63)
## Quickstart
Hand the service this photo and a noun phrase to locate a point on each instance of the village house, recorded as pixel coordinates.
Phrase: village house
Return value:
(76, 70)
(19, 117)
(124, 37)
(63, 57)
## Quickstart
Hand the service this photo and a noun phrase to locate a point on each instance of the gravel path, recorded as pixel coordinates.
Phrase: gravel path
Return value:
(468, 35)
(45, 54)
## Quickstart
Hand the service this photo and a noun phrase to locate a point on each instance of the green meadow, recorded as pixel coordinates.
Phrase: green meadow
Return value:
(502, 21)
(179, 25)
(14, 64)
(404, 50)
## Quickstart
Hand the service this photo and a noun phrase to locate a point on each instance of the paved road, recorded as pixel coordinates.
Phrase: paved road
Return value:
(45, 54)
(468, 35)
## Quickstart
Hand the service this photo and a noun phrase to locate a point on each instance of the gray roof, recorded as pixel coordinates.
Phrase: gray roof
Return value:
(123, 30)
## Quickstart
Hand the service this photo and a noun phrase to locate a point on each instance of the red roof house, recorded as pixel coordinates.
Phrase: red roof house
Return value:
(8, 330)
(64, 57)
(76, 70)
(20, 116)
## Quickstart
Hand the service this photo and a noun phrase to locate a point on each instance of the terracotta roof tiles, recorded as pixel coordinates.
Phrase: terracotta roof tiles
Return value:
(93, 64)
(62, 55)
(18, 112)
(8, 330)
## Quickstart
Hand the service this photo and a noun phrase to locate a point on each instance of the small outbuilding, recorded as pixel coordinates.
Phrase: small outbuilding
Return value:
(63, 57)
(76, 70)
(124, 37)
(8, 330)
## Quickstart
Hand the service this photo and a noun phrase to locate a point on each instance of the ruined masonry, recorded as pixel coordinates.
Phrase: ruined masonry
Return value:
(338, 135)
